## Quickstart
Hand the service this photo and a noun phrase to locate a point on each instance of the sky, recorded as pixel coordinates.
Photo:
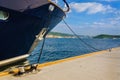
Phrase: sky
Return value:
(92, 17)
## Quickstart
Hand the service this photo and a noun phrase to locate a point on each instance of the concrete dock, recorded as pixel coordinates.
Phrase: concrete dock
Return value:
(103, 65)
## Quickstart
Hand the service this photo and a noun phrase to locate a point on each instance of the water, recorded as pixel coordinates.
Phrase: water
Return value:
(60, 48)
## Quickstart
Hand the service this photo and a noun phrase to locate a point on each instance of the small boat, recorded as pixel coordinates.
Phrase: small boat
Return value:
(23, 23)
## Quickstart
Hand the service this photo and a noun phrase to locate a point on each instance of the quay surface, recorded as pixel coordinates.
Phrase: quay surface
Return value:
(102, 65)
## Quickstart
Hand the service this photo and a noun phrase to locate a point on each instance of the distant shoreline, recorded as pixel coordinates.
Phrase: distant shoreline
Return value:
(59, 35)
(104, 36)
(53, 36)
(65, 35)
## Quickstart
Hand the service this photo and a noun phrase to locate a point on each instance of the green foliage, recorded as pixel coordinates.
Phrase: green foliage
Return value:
(107, 36)
(60, 34)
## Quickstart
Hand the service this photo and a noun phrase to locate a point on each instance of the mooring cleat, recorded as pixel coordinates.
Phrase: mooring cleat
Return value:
(33, 68)
(21, 71)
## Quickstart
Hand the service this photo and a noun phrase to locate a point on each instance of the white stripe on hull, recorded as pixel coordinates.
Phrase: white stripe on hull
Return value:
(13, 60)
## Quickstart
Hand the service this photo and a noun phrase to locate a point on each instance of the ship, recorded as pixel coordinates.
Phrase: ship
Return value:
(23, 24)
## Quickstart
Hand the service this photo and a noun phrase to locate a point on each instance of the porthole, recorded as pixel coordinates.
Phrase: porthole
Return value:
(51, 8)
(4, 15)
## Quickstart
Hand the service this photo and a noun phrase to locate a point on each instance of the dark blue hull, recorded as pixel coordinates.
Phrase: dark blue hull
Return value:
(19, 32)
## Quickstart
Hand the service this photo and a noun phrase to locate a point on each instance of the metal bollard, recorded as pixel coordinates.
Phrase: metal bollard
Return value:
(33, 68)
(21, 70)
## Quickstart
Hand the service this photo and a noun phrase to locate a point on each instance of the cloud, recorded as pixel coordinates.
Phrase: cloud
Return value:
(107, 26)
(110, 0)
(108, 23)
(115, 21)
(98, 23)
(91, 7)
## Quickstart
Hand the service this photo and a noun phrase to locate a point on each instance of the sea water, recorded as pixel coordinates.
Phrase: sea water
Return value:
(60, 48)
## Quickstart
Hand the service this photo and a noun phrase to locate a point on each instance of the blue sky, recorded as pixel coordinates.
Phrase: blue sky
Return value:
(92, 17)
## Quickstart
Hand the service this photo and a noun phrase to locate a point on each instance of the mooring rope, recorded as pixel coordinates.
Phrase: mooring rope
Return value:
(95, 49)
(68, 7)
